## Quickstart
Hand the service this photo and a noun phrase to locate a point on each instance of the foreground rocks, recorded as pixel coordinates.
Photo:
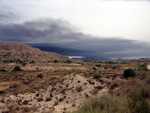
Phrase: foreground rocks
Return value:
(66, 94)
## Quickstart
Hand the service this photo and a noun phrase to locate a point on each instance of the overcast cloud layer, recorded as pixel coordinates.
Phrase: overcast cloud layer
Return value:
(60, 34)
(101, 28)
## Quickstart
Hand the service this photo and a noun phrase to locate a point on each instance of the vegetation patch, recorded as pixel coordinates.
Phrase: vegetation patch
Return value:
(97, 76)
(129, 73)
(3, 70)
(61, 99)
(39, 99)
(107, 104)
(40, 75)
(48, 99)
(17, 68)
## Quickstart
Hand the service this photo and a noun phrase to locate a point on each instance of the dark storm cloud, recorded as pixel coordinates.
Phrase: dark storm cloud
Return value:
(6, 17)
(59, 36)
(39, 31)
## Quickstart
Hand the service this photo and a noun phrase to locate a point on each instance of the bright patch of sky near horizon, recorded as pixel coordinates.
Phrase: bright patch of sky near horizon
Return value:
(124, 19)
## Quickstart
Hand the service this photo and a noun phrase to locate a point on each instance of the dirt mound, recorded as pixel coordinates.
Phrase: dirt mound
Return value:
(67, 94)
(19, 51)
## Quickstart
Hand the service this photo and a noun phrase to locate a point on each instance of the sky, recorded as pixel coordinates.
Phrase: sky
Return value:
(100, 28)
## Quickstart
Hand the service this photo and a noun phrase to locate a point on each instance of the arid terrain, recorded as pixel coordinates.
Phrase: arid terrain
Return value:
(65, 85)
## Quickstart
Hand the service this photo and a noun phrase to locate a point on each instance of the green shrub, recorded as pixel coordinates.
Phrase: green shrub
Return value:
(129, 73)
(138, 105)
(68, 61)
(17, 107)
(26, 109)
(55, 61)
(32, 61)
(48, 99)
(94, 68)
(40, 75)
(97, 76)
(140, 87)
(61, 99)
(106, 104)
(17, 68)
(114, 67)
(3, 70)
(98, 65)
(63, 91)
(144, 67)
(37, 94)
(39, 99)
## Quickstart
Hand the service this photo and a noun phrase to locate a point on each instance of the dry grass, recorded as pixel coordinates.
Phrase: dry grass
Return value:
(107, 104)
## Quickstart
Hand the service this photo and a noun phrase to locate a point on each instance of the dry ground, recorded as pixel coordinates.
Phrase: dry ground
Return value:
(64, 87)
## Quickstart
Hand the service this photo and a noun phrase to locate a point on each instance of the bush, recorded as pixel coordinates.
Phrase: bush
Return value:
(17, 68)
(17, 107)
(32, 61)
(138, 105)
(61, 99)
(37, 94)
(97, 76)
(48, 99)
(55, 61)
(68, 61)
(40, 75)
(144, 67)
(94, 68)
(129, 73)
(107, 104)
(98, 65)
(26, 109)
(39, 99)
(3, 70)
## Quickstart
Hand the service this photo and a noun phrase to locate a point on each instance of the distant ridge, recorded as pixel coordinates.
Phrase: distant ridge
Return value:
(10, 51)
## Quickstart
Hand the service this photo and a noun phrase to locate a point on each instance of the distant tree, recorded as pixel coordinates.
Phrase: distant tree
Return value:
(94, 68)
(129, 73)
(3, 70)
(144, 67)
(40, 75)
(32, 61)
(97, 76)
(68, 61)
(17, 68)
(55, 61)
(98, 65)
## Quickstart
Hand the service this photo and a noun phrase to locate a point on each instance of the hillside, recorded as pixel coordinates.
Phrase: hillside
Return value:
(15, 51)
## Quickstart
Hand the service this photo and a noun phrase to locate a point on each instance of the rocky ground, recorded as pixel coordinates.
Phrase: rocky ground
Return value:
(66, 94)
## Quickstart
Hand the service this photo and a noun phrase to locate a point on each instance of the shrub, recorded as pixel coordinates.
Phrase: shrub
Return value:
(39, 99)
(144, 67)
(26, 109)
(63, 91)
(48, 99)
(107, 104)
(114, 67)
(98, 65)
(32, 61)
(55, 61)
(68, 61)
(97, 76)
(17, 68)
(61, 99)
(3, 70)
(37, 94)
(17, 107)
(138, 105)
(40, 75)
(94, 68)
(129, 73)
